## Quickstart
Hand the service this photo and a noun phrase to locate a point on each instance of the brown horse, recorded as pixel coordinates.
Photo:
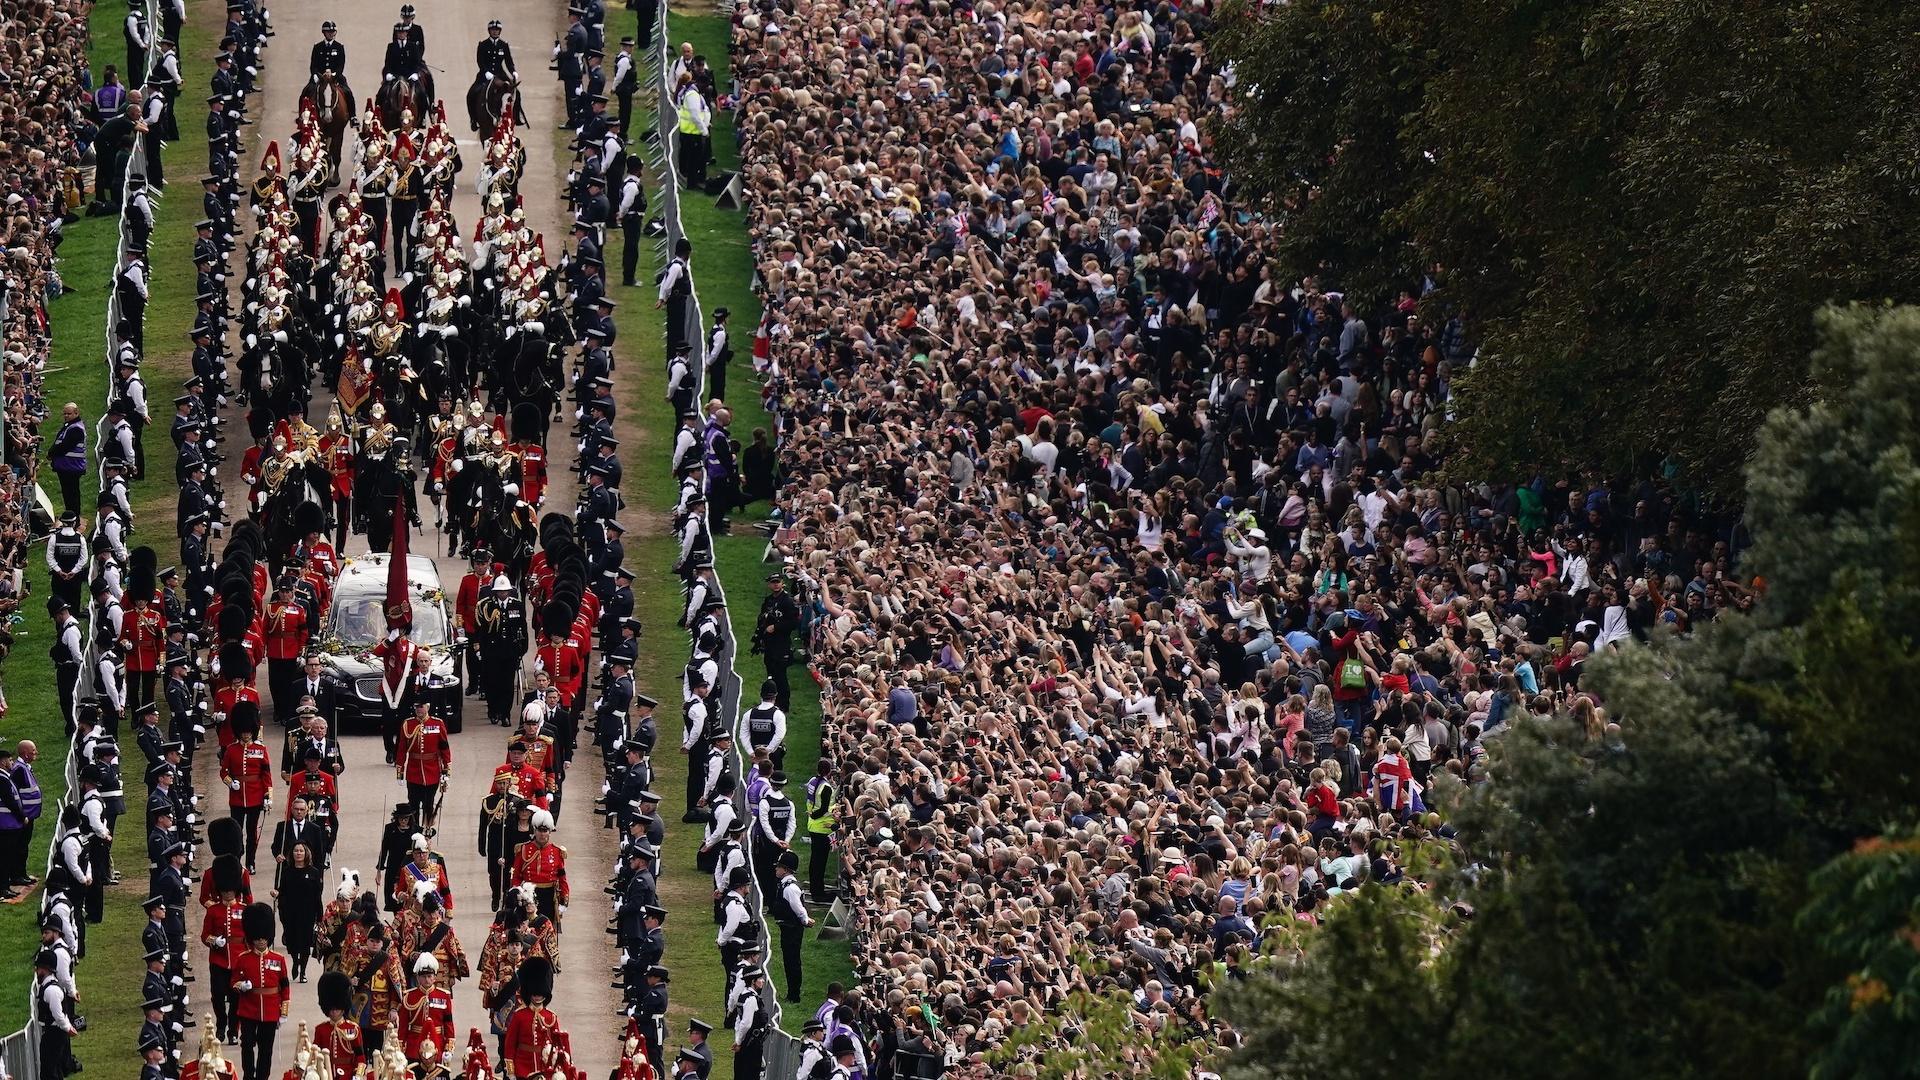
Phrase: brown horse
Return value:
(328, 96)
(487, 101)
(398, 97)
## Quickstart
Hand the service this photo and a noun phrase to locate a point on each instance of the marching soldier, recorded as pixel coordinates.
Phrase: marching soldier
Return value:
(543, 864)
(262, 987)
(530, 1035)
(498, 834)
(338, 1036)
(426, 1015)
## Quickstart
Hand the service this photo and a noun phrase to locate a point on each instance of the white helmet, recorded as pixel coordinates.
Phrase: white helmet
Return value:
(542, 820)
(425, 963)
(349, 885)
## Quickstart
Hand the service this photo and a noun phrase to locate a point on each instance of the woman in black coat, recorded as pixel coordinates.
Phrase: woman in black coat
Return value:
(297, 893)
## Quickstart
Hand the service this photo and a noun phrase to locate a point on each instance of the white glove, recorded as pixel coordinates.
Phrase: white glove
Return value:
(233, 785)
(243, 985)
(563, 909)
(219, 943)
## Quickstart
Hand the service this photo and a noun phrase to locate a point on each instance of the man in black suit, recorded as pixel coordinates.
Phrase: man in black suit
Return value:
(301, 828)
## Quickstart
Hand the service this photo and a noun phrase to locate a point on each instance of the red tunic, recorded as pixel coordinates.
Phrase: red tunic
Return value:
(343, 1043)
(435, 873)
(143, 637)
(566, 663)
(247, 770)
(545, 865)
(312, 787)
(425, 1015)
(261, 986)
(529, 1033)
(286, 631)
(337, 449)
(209, 899)
(223, 921)
(468, 598)
(424, 751)
(533, 472)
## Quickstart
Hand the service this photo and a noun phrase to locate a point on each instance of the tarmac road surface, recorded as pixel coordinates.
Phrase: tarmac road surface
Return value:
(368, 788)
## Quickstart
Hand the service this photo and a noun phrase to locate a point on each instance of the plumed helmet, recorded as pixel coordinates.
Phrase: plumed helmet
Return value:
(335, 992)
(349, 884)
(542, 820)
(536, 979)
(425, 963)
(258, 922)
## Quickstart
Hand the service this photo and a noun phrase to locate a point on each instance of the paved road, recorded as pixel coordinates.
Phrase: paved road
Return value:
(368, 789)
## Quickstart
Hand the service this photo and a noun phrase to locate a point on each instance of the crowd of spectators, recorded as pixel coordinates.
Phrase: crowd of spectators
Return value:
(49, 127)
(1141, 620)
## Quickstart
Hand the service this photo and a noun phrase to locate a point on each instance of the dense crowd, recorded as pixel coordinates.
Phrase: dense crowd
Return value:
(52, 116)
(1141, 621)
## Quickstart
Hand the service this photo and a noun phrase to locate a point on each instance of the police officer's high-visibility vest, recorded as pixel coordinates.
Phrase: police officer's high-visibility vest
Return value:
(689, 117)
(820, 808)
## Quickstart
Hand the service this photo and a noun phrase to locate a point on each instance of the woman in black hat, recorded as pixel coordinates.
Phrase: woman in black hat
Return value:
(396, 847)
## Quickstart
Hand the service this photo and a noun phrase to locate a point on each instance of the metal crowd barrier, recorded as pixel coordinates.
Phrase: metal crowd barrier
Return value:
(782, 1050)
(20, 1051)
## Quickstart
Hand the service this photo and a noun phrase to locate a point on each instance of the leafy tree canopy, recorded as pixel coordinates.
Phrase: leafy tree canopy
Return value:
(1638, 207)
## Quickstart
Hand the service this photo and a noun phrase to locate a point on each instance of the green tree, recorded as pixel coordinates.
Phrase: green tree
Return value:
(1866, 914)
(1637, 206)
(1684, 899)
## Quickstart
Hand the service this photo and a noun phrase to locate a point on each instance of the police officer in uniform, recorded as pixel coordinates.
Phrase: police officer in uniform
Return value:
(773, 636)
(778, 822)
(758, 1015)
(790, 912)
(651, 1011)
(328, 54)
(500, 625)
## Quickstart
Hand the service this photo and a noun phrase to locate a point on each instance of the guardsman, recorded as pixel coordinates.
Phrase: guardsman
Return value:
(543, 864)
(288, 629)
(262, 987)
(531, 1031)
(338, 1035)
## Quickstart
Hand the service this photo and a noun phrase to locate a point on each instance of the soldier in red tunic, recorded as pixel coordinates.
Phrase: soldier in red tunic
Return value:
(422, 757)
(246, 767)
(287, 632)
(336, 450)
(531, 1029)
(560, 656)
(337, 1035)
(143, 632)
(223, 932)
(234, 690)
(478, 577)
(426, 1015)
(262, 988)
(543, 864)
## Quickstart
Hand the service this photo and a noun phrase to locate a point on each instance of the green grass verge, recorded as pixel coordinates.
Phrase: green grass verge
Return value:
(78, 322)
(723, 268)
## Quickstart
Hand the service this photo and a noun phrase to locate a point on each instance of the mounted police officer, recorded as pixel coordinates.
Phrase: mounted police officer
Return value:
(328, 53)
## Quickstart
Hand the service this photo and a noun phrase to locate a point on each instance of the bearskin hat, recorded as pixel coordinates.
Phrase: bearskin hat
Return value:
(224, 836)
(234, 661)
(258, 922)
(143, 576)
(309, 518)
(536, 979)
(235, 619)
(336, 992)
(245, 718)
(228, 875)
(556, 618)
